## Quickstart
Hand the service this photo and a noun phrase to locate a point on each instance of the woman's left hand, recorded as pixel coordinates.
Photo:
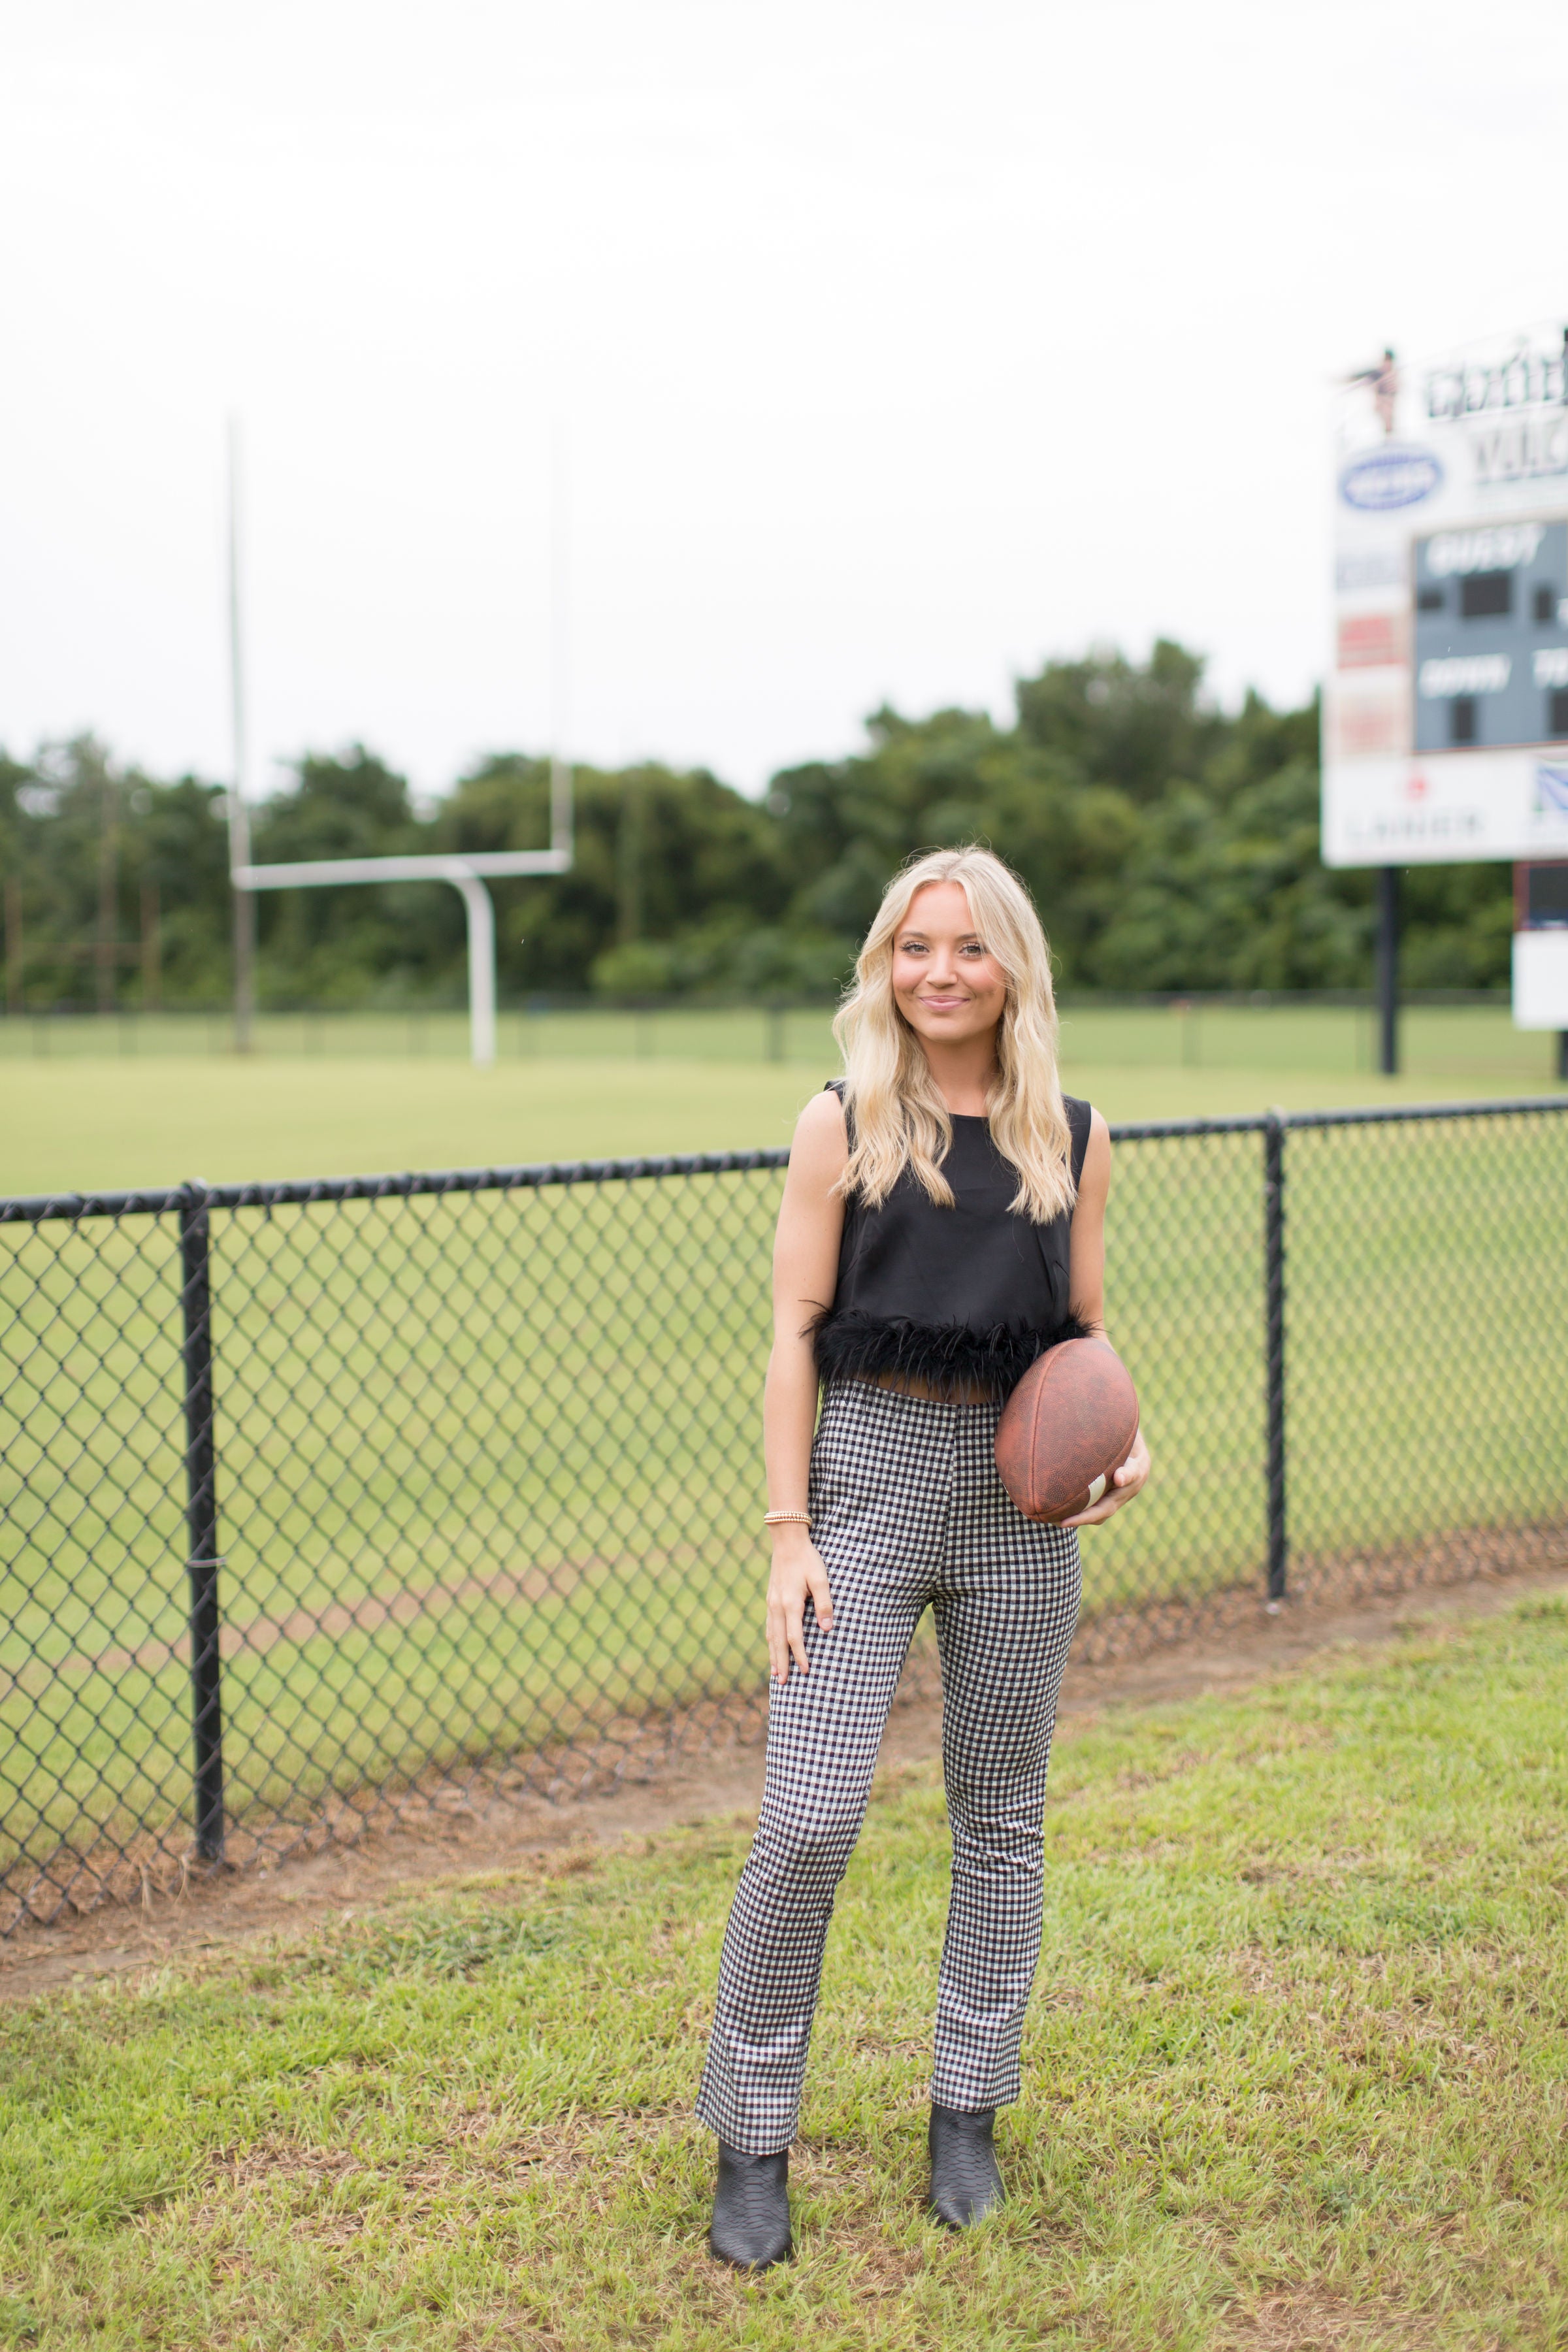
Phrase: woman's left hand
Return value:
(1132, 1476)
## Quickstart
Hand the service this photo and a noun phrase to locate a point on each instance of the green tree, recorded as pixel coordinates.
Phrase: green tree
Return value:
(381, 942)
(81, 841)
(664, 859)
(1170, 844)
(1140, 730)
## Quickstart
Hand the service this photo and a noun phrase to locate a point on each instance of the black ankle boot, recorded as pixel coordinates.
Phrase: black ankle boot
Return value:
(964, 2180)
(750, 2209)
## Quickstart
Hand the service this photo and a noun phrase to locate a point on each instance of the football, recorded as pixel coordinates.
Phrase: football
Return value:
(1066, 1429)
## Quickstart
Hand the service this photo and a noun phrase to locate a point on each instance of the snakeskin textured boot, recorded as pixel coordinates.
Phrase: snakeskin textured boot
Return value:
(751, 2210)
(965, 2183)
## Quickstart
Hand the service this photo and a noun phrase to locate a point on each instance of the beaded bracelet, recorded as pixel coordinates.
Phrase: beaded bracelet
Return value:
(782, 1518)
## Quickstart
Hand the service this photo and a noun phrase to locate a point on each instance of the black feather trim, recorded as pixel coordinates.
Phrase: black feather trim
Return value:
(951, 1358)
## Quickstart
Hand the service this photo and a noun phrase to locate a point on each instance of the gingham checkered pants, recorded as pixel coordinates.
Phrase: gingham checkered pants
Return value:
(906, 1511)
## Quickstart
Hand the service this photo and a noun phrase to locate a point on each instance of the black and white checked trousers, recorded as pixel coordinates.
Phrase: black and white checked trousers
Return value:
(906, 1511)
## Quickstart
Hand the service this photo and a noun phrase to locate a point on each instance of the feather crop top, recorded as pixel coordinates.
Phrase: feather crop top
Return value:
(964, 1299)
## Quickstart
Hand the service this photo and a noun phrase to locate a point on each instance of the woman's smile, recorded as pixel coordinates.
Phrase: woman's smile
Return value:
(946, 980)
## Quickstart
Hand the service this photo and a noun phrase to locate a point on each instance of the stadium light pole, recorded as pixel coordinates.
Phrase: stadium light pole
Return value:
(243, 913)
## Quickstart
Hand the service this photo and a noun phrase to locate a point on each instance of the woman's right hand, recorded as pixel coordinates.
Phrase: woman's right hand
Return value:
(798, 1571)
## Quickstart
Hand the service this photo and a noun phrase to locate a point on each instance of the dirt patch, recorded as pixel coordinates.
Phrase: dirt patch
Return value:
(1305, 2320)
(1344, 1582)
(480, 2150)
(604, 1759)
(254, 1636)
(591, 1754)
(491, 1832)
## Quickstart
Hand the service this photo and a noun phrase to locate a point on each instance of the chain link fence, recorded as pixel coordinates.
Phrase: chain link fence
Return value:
(324, 1500)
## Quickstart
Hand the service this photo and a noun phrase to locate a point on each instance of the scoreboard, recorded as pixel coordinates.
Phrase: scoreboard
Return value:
(1491, 637)
(1446, 717)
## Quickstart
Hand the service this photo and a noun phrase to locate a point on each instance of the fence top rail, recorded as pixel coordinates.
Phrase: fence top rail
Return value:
(1393, 1114)
(1353, 1115)
(157, 1201)
(288, 1191)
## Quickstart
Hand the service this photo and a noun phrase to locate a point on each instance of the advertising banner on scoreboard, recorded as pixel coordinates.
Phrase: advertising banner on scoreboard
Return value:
(1446, 712)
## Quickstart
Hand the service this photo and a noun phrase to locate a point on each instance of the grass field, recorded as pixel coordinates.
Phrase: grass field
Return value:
(1294, 2075)
(359, 1102)
(487, 1466)
(1196, 1033)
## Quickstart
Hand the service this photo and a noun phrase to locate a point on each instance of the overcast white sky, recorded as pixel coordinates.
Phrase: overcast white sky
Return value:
(901, 343)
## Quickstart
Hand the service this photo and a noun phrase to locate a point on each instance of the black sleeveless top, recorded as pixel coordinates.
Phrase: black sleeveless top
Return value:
(961, 1298)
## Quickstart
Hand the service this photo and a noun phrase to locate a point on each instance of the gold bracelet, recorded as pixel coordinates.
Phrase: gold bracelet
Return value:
(782, 1518)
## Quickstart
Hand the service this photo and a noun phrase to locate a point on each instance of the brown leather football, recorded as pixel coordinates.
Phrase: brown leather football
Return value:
(1066, 1429)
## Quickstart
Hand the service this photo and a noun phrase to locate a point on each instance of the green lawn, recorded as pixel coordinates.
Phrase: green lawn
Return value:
(361, 1101)
(1295, 2074)
(488, 1464)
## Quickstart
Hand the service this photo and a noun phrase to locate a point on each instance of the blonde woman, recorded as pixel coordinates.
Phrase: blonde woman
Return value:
(943, 1221)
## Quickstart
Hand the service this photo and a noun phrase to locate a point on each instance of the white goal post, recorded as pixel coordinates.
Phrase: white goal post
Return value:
(467, 874)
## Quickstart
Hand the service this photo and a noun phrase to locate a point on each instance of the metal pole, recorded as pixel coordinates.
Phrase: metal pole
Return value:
(105, 943)
(1388, 969)
(1562, 1054)
(560, 816)
(15, 992)
(629, 861)
(1274, 1343)
(481, 966)
(561, 819)
(202, 1561)
(244, 909)
(152, 949)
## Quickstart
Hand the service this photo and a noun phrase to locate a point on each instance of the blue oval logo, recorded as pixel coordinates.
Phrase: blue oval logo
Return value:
(1381, 479)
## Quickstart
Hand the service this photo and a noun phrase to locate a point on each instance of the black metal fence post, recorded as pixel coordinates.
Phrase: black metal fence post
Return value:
(1274, 1342)
(201, 1520)
(1388, 971)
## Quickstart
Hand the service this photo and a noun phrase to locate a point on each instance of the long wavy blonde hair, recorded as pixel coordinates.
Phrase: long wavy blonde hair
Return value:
(897, 1119)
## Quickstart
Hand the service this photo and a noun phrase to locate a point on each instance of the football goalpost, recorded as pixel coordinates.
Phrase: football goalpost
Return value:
(469, 873)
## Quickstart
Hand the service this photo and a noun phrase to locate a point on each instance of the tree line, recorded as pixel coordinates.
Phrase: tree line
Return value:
(1170, 846)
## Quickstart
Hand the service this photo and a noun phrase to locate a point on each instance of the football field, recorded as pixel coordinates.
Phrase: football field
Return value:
(87, 1105)
(487, 1463)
